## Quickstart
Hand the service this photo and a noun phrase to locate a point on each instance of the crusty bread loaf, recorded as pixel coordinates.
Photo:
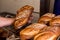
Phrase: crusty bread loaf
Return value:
(22, 16)
(32, 30)
(46, 18)
(51, 34)
(55, 22)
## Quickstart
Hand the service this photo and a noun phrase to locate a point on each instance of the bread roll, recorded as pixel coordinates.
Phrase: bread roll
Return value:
(22, 16)
(51, 34)
(46, 18)
(55, 22)
(32, 30)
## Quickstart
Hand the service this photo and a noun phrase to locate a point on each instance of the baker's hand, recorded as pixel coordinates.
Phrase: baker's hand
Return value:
(6, 21)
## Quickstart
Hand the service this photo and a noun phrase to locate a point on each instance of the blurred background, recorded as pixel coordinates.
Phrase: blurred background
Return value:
(13, 5)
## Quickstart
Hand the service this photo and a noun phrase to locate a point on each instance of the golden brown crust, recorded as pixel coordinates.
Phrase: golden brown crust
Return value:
(20, 22)
(44, 19)
(45, 36)
(22, 16)
(50, 34)
(54, 29)
(55, 22)
(26, 7)
(32, 30)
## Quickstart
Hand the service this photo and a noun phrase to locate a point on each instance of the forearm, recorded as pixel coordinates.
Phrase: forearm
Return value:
(6, 21)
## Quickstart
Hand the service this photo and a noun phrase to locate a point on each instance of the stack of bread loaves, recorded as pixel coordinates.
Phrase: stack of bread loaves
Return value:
(52, 32)
(47, 27)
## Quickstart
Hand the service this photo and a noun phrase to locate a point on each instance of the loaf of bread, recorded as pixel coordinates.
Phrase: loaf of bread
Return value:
(22, 16)
(51, 33)
(55, 22)
(46, 18)
(32, 30)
